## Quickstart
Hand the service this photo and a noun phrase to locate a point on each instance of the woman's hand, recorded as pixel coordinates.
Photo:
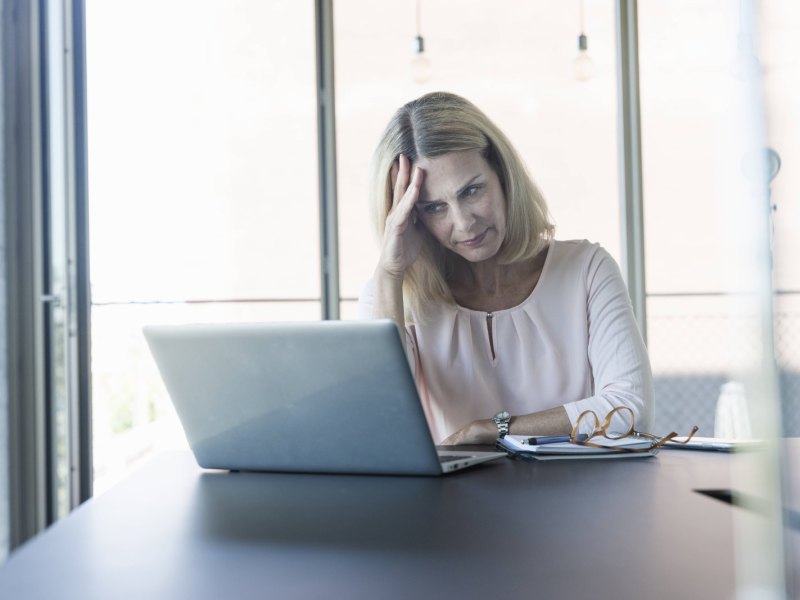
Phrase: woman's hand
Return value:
(477, 432)
(402, 239)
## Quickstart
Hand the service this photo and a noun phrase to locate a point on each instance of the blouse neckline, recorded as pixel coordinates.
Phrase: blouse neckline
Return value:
(531, 296)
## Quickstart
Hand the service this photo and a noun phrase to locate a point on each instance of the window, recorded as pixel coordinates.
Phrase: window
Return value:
(203, 190)
(779, 46)
(516, 62)
(694, 59)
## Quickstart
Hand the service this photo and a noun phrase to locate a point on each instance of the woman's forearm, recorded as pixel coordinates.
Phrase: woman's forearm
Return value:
(388, 298)
(553, 421)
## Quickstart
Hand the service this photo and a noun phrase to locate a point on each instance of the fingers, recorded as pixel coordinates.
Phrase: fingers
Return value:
(410, 194)
(400, 171)
(406, 186)
(415, 183)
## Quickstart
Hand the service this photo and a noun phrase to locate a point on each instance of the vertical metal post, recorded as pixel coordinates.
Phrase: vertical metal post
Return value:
(63, 151)
(630, 164)
(326, 115)
(80, 290)
(21, 61)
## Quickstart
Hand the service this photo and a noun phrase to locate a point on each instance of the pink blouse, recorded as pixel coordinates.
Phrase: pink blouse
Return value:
(573, 342)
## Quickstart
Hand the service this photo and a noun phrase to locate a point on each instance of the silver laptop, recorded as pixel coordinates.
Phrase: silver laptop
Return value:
(314, 397)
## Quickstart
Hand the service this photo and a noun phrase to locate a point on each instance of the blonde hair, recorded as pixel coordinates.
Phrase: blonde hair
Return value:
(436, 124)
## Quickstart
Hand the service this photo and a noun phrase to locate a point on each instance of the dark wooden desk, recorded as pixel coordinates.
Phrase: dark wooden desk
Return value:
(509, 529)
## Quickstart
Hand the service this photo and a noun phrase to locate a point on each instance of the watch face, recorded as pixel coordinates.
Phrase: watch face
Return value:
(502, 416)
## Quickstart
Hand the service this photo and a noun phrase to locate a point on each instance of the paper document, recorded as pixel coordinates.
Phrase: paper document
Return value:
(516, 444)
(719, 444)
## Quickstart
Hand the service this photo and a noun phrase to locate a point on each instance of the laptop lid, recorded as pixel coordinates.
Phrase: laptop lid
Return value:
(323, 396)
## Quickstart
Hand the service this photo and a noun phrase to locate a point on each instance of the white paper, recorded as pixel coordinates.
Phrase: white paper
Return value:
(517, 443)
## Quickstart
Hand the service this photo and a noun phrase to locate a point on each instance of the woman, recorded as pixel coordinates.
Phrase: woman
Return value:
(507, 329)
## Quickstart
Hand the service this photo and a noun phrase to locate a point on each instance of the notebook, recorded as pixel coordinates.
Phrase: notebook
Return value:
(602, 448)
(312, 397)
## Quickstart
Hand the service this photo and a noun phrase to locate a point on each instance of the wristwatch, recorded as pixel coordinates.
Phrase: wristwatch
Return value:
(502, 420)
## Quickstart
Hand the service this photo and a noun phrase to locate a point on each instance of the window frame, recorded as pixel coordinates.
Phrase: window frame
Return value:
(29, 103)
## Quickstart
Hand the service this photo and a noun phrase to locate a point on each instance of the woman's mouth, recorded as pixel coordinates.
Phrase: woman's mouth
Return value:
(476, 241)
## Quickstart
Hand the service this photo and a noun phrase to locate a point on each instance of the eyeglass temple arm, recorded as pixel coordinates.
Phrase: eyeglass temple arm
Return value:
(670, 437)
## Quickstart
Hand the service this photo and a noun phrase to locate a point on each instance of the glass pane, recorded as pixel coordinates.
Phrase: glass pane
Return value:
(515, 61)
(779, 44)
(203, 149)
(133, 418)
(686, 85)
(60, 359)
(203, 186)
(690, 73)
(687, 64)
(348, 310)
(695, 344)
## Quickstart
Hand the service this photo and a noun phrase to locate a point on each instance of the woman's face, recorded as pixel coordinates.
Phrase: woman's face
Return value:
(462, 204)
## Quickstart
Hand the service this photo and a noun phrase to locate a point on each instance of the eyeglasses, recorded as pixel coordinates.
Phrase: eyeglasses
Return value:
(627, 417)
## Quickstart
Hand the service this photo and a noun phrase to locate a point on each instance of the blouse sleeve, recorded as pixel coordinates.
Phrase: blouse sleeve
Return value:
(617, 354)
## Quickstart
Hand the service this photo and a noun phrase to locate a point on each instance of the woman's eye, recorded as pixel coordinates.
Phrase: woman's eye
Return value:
(433, 208)
(471, 191)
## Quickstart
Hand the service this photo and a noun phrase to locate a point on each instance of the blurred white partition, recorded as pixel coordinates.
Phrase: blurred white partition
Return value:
(712, 106)
(744, 215)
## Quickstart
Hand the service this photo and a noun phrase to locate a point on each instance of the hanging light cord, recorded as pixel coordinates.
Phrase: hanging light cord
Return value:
(419, 42)
(583, 42)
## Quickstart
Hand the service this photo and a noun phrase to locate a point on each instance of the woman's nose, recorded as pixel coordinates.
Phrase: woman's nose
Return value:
(463, 220)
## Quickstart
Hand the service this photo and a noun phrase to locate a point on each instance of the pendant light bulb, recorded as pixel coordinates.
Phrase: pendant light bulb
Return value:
(420, 64)
(583, 66)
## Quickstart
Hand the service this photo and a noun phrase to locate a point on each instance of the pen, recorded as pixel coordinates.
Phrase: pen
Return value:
(553, 439)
